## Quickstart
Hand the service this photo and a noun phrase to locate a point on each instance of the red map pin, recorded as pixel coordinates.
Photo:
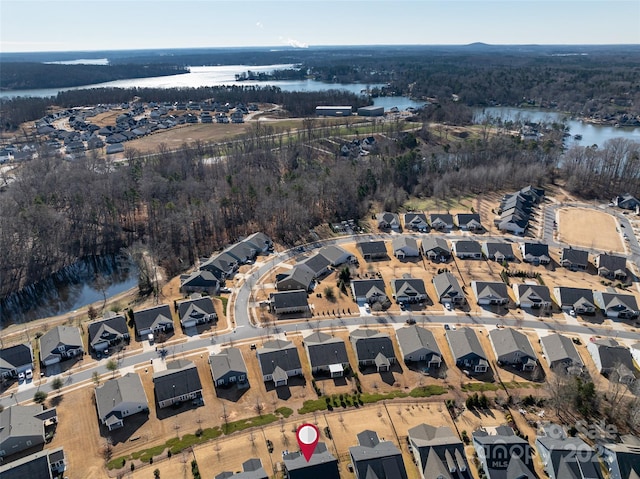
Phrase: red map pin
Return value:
(307, 436)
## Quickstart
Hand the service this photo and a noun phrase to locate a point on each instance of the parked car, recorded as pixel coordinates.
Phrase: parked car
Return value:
(253, 346)
(29, 374)
(20, 377)
(225, 290)
(410, 321)
(448, 306)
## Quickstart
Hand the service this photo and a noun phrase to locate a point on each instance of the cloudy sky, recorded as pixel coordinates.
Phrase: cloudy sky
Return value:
(62, 25)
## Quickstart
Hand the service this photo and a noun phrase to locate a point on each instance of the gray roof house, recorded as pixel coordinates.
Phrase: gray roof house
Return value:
(616, 305)
(195, 311)
(369, 290)
(373, 348)
(108, 331)
(622, 459)
(372, 250)
(321, 464)
(228, 368)
(373, 459)
(288, 302)
(279, 361)
(613, 360)
(535, 253)
(561, 354)
(574, 259)
(448, 289)
(317, 263)
(23, 427)
(464, 249)
(467, 350)
(566, 457)
(578, 300)
(336, 255)
(469, 221)
(327, 354)
(441, 221)
(222, 265)
(626, 201)
(439, 452)
(60, 343)
(405, 246)
(513, 348)
(118, 398)
(260, 241)
(153, 320)
(251, 469)
(242, 251)
(419, 345)
(435, 248)
(409, 290)
(532, 296)
(388, 220)
(45, 464)
(299, 277)
(503, 455)
(179, 382)
(490, 292)
(498, 251)
(611, 266)
(15, 359)
(416, 222)
(201, 281)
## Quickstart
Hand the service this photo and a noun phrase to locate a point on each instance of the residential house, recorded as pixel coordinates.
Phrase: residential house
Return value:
(299, 277)
(369, 290)
(60, 343)
(15, 360)
(515, 210)
(574, 259)
(388, 220)
(327, 354)
(498, 252)
(201, 281)
(260, 241)
(574, 300)
(566, 457)
(469, 222)
(626, 202)
(196, 311)
(503, 455)
(514, 220)
(23, 427)
(153, 320)
(611, 266)
(289, 302)
(467, 351)
(372, 250)
(613, 360)
(438, 452)
(441, 221)
(321, 464)
(107, 332)
(251, 469)
(119, 398)
(447, 289)
(622, 459)
(405, 247)
(222, 266)
(409, 290)
(561, 354)
(532, 296)
(375, 459)
(317, 263)
(45, 464)
(373, 348)
(279, 361)
(228, 368)
(436, 248)
(513, 348)
(535, 253)
(465, 249)
(616, 305)
(419, 345)
(177, 383)
(416, 222)
(490, 292)
(336, 255)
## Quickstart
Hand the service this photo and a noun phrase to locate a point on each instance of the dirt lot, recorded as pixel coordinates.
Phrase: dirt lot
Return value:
(589, 228)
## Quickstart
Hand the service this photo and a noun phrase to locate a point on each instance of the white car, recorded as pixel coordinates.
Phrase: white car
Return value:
(29, 374)
(20, 377)
(367, 308)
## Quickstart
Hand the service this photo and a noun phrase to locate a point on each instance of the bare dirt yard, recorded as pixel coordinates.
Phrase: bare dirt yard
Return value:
(589, 228)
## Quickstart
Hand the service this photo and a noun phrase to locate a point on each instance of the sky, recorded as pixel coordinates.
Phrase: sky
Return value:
(89, 25)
